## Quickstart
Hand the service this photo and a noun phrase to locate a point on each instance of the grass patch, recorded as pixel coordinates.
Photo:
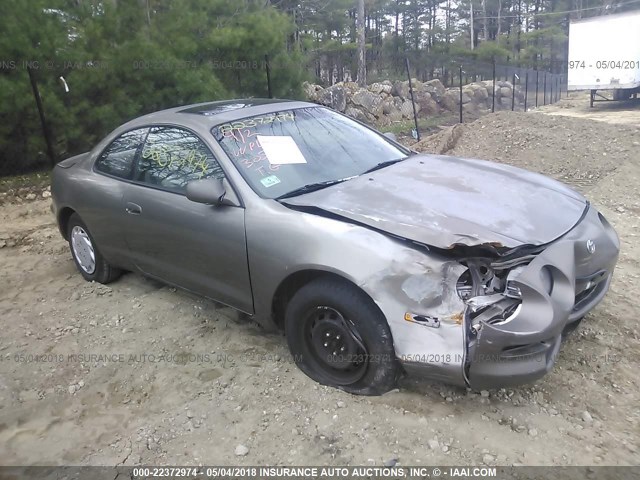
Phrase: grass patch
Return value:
(426, 125)
(41, 179)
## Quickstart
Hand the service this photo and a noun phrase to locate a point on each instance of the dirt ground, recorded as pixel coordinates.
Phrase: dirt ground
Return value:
(577, 105)
(139, 373)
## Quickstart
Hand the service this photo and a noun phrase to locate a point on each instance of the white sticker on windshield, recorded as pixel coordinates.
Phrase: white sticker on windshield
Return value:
(281, 150)
(270, 181)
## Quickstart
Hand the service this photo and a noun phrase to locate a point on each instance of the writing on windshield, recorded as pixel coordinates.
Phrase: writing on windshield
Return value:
(314, 145)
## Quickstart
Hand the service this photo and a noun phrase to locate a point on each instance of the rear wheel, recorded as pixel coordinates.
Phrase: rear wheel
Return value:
(88, 259)
(338, 337)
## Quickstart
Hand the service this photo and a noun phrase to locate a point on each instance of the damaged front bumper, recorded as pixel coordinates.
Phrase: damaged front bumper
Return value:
(559, 286)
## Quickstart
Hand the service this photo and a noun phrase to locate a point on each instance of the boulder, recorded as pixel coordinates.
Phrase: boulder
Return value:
(401, 89)
(359, 115)
(394, 116)
(406, 109)
(449, 101)
(380, 88)
(368, 101)
(334, 97)
(438, 87)
(388, 106)
(480, 94)
(312, 91)
(428, 106)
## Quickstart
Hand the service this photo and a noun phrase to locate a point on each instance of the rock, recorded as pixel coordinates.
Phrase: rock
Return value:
(380, 88)
(480, 94)
(334, 97)
(449, 101)
(368, 102)
(504, 92)
(30, 196)
(407, 109)
(533, 432)
(241, 451)
(312, 91)
(189, 414)
(586, 417)
(72, 389)
(340, 404)
(487, 459)
(401, 89)
(433, 444)
(46, 194)
(391, 462)
(484, 393)
(81, 383)
(437, 86)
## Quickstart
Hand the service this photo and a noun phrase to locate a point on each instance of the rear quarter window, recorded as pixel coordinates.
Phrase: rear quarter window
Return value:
(118, 158)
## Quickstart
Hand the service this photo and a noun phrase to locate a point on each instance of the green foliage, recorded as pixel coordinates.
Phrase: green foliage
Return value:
(122, 59)
(487, 51)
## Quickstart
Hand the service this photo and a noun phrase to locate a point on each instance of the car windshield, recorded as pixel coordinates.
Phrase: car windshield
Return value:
(293, 151)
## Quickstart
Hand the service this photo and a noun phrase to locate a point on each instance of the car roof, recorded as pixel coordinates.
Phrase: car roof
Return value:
(209, 114)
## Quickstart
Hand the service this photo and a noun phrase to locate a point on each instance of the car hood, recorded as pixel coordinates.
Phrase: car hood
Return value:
(444, 201)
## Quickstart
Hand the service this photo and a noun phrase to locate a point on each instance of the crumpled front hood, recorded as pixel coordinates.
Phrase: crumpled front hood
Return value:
(442, 201)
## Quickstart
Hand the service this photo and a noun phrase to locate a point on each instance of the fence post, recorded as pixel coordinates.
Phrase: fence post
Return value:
(493, 97)
(460, 93)
(544, 87)
(413, 103)
(537, 86)
(268, 68)
(526, 89)
(513, 93)
(43, 120)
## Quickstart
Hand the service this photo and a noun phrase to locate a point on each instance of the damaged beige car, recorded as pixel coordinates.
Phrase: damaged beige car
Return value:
(374, 260)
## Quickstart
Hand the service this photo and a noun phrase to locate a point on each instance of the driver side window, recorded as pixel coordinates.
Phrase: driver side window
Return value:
(172, 157)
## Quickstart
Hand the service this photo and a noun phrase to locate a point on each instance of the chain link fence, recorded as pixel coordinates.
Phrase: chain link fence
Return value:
(431, 95)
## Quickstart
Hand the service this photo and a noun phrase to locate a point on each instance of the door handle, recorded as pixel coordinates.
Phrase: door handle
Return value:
(133, 208)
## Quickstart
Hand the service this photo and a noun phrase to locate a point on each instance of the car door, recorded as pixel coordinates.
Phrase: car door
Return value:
(102, 205)
(199, 247)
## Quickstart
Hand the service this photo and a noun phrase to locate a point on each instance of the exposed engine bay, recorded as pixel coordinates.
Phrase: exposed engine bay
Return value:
(488, 290)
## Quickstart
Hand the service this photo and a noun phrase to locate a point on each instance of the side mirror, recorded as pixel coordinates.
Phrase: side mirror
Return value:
(390, 136)
(210, 191)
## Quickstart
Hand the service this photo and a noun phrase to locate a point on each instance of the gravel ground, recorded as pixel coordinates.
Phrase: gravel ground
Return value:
(137, 372)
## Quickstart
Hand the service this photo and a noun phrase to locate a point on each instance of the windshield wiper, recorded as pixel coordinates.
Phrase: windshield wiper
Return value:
(311, 187)
(383, 164)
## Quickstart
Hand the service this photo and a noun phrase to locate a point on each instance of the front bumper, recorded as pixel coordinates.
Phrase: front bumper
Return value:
(524, 348)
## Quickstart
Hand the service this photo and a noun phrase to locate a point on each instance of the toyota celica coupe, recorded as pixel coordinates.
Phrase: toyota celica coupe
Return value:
(375, 260)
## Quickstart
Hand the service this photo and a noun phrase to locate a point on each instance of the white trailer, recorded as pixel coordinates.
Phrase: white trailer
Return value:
(604, 54)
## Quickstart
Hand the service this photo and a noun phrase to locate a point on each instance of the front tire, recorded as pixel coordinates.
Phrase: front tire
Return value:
(339, 337)
(88, 259)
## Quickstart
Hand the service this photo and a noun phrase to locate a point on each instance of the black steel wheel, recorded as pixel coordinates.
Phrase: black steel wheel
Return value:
(339, 337)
